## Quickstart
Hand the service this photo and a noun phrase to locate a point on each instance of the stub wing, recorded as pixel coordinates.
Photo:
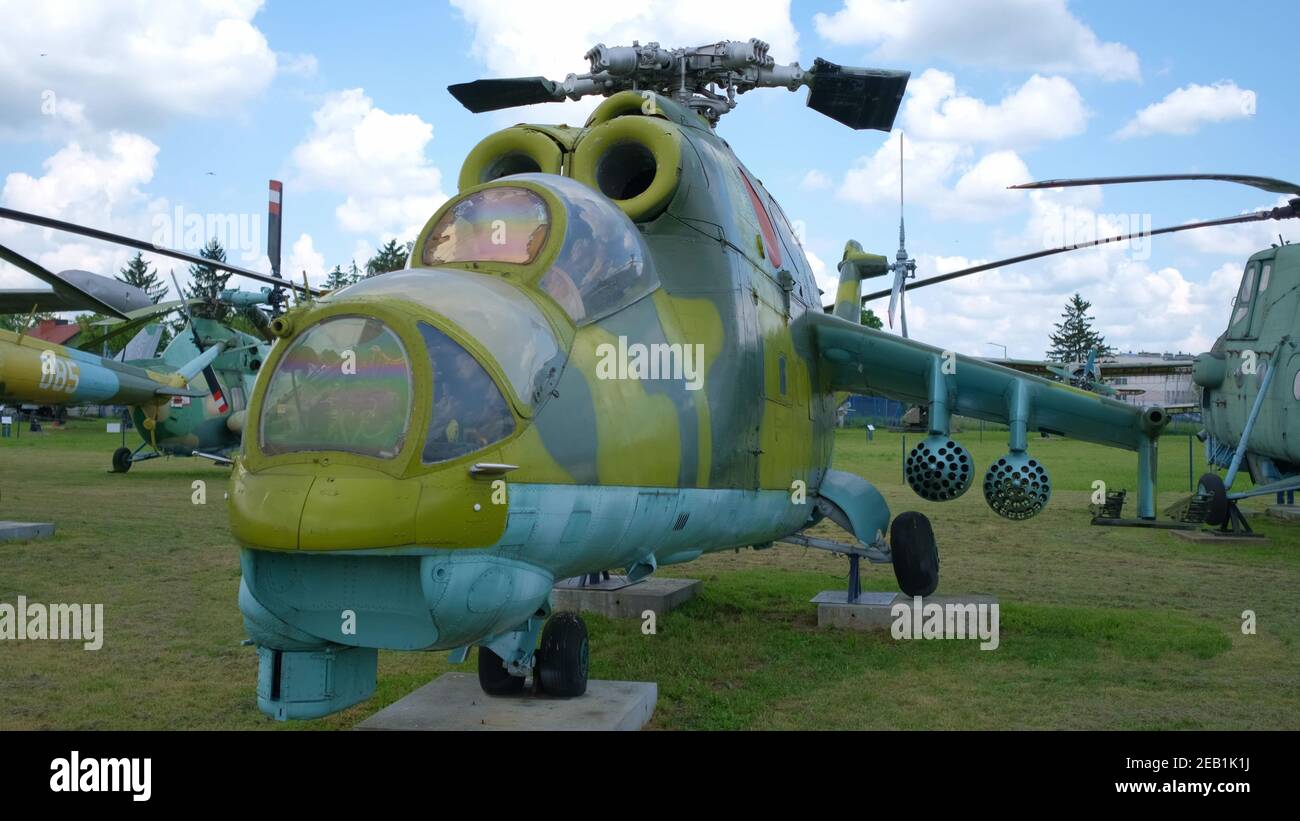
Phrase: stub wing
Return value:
(858, 359)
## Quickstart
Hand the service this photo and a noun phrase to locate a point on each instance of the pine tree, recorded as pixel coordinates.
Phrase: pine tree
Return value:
(1074, 337)
(336, 279)
(138, 273)
(388, 257)
(354, 273)
(207, 283)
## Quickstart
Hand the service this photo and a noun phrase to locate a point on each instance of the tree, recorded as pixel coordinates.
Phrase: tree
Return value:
(207, 283)
(354, 273)
(388, 257)
(18, 322)
(1074, 337)
(870, 319)
(337, 278)
(138, 273)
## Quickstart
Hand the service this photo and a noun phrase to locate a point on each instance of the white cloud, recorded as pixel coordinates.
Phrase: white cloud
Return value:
(1184, 110)
(1136, 305)
(97, 182)
(1239, 241)
(1043, 108)
(303, 256)
(523, 38)
(943, 176)
(376, 160)
(135, 62)
(1040, 35)
(815, 180)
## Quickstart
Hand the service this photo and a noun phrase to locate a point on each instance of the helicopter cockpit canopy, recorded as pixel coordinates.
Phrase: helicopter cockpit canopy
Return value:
(568, 240)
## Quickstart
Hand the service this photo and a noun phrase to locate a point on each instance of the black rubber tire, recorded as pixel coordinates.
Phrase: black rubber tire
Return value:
(1211, 485)
(916, 556)
(493, 676)
(563, 659)
(121, 460)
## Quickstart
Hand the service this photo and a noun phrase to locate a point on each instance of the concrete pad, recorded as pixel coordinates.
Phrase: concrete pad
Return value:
(1213, 537)
(1287, 513)
(25, 531)
(454, 701)
(872, 610)
(660, 595)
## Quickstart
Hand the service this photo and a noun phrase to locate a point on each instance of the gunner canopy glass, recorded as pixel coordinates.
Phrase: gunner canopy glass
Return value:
(494, 225)
(469, 412)
(344, 385)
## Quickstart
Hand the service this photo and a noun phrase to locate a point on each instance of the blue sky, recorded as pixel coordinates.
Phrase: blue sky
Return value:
(120, 121)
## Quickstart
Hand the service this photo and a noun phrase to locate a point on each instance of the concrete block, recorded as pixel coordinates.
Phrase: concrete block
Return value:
(1213, 537)
(1287, 513)
(454, 701)
(872, 610)
(25, 531)
(657, 594)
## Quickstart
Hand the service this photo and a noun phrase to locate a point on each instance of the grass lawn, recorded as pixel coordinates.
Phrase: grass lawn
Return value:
(1101, 627)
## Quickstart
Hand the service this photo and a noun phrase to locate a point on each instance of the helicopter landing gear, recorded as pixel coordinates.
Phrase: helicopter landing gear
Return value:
(559, 666)
(563, 658)
(493, 676)
(916, 555)
(121, 460)
(1211, 488)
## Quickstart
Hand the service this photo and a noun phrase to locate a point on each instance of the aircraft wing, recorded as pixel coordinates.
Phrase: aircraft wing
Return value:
(858, 359)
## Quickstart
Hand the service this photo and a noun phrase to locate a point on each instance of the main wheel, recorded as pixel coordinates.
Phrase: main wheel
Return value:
(121, 460)
(563, 657)
(916, 556)
(1211, 486)
(493, 676)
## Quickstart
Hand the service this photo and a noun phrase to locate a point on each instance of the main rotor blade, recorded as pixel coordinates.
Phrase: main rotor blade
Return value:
(141, 245)
(1263, 183)
(505, 92)
(1280, 213)
(82, 290)
(857, 97)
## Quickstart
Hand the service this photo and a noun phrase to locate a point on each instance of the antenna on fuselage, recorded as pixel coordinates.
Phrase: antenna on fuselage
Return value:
(903, 266)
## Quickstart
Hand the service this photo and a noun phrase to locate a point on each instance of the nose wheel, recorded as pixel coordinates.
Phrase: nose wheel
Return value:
(121, 460)
(560, 664)
(563, 658)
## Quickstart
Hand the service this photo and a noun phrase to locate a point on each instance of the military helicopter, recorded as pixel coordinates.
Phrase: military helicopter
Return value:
(607, 350)
(205, 423)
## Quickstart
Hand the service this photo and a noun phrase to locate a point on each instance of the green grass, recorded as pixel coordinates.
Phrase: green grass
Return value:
(1101, 627)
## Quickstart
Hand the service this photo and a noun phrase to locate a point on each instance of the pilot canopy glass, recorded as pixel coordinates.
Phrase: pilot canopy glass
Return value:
(493, 225)
(599, 264)
(344, 385)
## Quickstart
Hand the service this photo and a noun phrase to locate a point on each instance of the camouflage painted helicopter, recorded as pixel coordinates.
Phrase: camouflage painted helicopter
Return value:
(206, 423)
(40, 372)
(607, 350)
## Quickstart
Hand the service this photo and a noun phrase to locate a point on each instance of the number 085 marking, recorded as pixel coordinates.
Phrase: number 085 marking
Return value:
(59, 373)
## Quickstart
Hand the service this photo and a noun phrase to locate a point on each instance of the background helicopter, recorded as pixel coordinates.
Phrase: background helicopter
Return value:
(431, 449)
(206, 423)
(1246, 420)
